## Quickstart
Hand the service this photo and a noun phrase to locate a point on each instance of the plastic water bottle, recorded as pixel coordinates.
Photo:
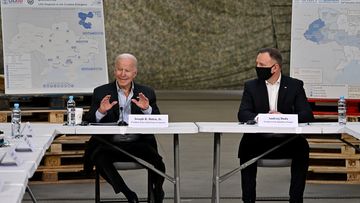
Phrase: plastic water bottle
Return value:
(2, 142)
(15, 121)
(71, 110)
(342, 111)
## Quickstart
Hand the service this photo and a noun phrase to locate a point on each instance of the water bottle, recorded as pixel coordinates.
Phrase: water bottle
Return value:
(342, 111)
(71, 111)
(2, 136)
(15, 121)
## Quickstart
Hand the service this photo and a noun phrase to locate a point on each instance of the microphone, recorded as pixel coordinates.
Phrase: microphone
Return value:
(249, 122)
(122, 122)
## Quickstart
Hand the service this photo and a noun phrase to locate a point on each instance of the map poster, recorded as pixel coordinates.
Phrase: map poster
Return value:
(53, 46)
(325, 47)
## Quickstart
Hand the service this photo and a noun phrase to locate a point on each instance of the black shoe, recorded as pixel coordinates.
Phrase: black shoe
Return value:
(132, 197)
(248, 201)
(159, 196)
(296, 200)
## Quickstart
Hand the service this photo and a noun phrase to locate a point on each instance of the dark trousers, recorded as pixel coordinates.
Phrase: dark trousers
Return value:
(105, 156)
(252, 145)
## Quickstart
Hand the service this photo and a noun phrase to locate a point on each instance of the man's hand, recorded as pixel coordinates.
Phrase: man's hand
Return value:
(105, 104)
(142, 103)
(274, 112)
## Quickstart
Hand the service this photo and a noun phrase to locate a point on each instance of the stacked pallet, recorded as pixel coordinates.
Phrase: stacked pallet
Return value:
(63, 162)
(35, 115)
(334, 161)
(331, 159)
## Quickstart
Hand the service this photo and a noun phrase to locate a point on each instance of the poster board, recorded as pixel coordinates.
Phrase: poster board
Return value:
(325, 47)
(53, 46)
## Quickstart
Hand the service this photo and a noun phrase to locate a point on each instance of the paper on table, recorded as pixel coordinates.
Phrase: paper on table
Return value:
(104, 124)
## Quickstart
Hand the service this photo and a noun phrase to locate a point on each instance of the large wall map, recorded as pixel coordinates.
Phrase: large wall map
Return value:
(53, 46)
(325, 47)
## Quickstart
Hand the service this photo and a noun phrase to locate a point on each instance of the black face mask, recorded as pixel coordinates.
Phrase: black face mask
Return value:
(264, 73)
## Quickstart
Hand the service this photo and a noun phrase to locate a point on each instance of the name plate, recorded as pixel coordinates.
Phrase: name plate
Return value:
(148, 121)
(27, 131)
(278, 120)
(11, 158)
(25, 144)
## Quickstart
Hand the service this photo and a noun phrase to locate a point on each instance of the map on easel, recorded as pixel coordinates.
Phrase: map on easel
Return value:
(55, 46)
(325, 47)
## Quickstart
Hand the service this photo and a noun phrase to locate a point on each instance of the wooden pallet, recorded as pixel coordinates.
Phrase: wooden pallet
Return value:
(333, 161)
(63, 161)
(35, 115)
(326, 109)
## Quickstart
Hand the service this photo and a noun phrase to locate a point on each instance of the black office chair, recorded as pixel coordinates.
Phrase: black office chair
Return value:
(124, 166)
(275, 163)
(266, 162)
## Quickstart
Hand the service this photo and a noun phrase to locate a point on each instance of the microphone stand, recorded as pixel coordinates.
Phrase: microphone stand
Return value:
(122, 122)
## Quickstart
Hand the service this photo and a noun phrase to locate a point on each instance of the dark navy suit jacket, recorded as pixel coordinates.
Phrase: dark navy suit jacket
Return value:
(291, 100)
(113, 115)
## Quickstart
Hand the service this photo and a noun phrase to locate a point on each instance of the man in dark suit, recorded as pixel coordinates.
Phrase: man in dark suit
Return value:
(114, 102)
(273, 93)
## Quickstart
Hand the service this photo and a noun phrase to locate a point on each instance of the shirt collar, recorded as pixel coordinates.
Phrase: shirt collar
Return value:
(120, 90)
(276, 83)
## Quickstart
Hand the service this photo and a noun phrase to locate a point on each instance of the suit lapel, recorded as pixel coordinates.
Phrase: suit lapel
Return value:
(263, 100)
(114, 97)
(136, 94)
(282, 92)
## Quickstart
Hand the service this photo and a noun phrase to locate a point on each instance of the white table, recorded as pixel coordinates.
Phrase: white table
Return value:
(353, 129)
(12, 193)
(42, 137)
(44, 134)
(15, 183)
(218, 128)
(16, 177)
(174, 128)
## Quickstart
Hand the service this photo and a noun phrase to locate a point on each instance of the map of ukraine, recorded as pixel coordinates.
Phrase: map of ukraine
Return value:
(337, 27)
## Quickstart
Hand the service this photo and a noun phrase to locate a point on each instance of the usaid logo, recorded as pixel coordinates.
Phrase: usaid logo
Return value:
(13, 1)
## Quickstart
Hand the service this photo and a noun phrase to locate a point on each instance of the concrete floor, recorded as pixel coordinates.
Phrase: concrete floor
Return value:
(196, 165)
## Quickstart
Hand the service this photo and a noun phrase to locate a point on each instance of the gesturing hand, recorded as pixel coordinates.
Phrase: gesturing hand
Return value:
(274, 112)
(105, 104)
(143, 102)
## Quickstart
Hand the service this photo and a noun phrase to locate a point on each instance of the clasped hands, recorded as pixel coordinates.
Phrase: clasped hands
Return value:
(105, 105)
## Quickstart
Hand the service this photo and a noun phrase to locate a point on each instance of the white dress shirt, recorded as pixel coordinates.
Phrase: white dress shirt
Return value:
(273, 92)
(124, 102)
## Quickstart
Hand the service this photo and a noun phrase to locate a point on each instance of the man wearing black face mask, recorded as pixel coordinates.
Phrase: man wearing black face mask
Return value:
(273, 93)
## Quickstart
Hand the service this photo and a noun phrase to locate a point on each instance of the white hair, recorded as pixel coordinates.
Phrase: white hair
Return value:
(126, 56)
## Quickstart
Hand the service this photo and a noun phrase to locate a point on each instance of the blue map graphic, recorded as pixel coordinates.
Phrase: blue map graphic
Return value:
(314, 32)
(337, 29)
(326, 29)
(83, 17)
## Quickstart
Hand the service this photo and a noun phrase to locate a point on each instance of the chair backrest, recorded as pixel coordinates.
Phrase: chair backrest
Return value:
(127, 165)
(274, 162)
(264, 162)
